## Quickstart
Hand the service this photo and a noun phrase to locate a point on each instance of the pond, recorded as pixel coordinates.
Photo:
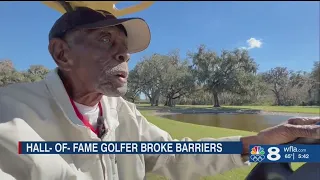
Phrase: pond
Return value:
(247, 122)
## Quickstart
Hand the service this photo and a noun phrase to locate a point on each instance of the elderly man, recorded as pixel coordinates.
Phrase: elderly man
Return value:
(81, 101)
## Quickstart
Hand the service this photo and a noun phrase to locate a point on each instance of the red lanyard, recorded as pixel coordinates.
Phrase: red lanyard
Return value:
(84, 120)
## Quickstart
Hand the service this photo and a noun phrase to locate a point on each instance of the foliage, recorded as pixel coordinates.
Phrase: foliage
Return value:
(232, 71)
(133, 85)
(9, 75)
(205, 78)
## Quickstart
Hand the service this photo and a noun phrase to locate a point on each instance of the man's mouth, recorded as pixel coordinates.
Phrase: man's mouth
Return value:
(122, 76)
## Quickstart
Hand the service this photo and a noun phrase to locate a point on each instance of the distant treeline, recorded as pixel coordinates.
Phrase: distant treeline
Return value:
(231, 78)
(204, 78)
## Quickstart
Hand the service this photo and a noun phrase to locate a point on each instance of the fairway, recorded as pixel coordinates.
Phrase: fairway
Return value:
(281, 109)
(179, 130)
(285, 109)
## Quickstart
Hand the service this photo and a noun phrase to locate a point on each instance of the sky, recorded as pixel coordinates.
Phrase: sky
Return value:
(275, 33)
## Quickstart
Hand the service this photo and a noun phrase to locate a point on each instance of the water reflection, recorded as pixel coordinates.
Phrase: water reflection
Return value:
(247, 122)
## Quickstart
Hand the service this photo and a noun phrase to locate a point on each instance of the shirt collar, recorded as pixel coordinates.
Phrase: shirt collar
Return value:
(60, 95)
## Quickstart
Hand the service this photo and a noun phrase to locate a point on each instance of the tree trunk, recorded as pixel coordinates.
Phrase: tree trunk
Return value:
(157, 97)
(170, 102)
(154, 99)
(216, 100)
(278, 99)
(152, 103)
(166, 103)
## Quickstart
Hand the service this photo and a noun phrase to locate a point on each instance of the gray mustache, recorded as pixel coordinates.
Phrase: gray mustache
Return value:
(123, 67)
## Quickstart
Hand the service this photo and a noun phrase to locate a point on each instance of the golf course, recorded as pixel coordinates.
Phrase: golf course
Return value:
(194, 69)
(179, 130)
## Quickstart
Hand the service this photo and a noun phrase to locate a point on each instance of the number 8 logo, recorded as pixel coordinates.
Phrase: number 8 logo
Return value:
(273, 154)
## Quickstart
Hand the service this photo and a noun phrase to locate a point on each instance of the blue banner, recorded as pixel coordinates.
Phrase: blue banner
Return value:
(130, 147)
(285, 153)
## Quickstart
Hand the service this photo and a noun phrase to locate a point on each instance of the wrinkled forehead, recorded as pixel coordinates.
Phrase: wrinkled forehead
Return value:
(115, 32)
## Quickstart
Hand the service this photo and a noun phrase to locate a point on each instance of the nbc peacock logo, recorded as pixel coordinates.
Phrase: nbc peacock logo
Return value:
(257, 150)
(257, 154)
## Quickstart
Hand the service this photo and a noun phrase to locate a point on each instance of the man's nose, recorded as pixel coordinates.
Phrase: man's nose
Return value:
(123, 57)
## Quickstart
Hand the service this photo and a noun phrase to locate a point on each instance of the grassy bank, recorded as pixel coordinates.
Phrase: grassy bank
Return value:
(179, 130)
(285, 109)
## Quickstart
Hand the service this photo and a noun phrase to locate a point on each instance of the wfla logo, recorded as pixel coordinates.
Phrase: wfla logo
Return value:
(257, 154)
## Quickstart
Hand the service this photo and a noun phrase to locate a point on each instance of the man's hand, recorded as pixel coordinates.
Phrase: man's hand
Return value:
(285, 132)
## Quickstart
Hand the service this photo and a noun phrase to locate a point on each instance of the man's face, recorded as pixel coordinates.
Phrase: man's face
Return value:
(100, 59)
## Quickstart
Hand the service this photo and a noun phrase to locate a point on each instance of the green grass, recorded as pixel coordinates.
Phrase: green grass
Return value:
(179, 130)
(288, 109)
(284, 109)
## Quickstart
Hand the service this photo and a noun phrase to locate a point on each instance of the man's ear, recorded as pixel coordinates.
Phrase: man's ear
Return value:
(60, 52)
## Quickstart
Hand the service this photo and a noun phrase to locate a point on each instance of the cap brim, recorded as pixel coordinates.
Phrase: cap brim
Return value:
(138, 31)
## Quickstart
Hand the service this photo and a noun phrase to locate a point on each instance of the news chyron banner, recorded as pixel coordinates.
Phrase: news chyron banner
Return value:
(285, 153)
(203, 147)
